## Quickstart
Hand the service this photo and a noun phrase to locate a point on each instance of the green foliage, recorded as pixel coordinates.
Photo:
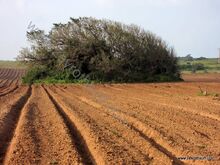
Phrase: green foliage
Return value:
(102, 50)
(205, 65)
(201, 58)
(193, 67)
(186, 67)
(197, 66)
(33, 74)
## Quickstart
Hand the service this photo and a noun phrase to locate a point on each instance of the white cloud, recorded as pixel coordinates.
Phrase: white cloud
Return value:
(166, 2)
(20, 4)
(104, 3)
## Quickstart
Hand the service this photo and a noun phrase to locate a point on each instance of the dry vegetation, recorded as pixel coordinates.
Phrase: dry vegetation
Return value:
(12, 64)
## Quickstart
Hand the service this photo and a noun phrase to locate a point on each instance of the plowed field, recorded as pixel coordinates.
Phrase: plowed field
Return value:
(156, 123)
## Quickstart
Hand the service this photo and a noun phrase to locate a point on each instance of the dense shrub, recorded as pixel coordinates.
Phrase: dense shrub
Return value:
(34, 73)
(197, 67)
(192, 67)
(100, 50)
(186, 67)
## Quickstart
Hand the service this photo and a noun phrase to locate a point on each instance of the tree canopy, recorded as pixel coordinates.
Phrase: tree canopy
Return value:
(100, 50)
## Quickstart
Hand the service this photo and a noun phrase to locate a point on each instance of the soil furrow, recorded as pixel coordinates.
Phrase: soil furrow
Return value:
(6, 71)
(80, 143)
(10, 90)
(117, 112)
(134, 124)
(113, 149)
(41, 135)
(120, 119)
(9, 123)
(156, 125)
(167, 102)
(177, 110)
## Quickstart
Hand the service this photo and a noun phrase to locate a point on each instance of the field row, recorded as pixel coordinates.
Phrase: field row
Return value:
(9, 80)
(110, 124)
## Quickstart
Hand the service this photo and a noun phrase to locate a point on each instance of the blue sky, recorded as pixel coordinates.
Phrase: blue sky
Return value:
(191, 26)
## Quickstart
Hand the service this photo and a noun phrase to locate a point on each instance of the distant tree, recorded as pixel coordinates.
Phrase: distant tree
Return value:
(188, 57)
(201, 58)
(198, 66)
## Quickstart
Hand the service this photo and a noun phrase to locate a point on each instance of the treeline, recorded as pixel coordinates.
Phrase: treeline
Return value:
(98, 50)
(201, 64)
(190, 58)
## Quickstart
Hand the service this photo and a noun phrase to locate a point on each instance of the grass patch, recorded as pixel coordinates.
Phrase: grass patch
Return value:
(206, 93)
(210, 65)
(12, 64)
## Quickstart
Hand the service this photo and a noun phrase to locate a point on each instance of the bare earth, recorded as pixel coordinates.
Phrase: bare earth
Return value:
(156, 123)
(200, 77)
